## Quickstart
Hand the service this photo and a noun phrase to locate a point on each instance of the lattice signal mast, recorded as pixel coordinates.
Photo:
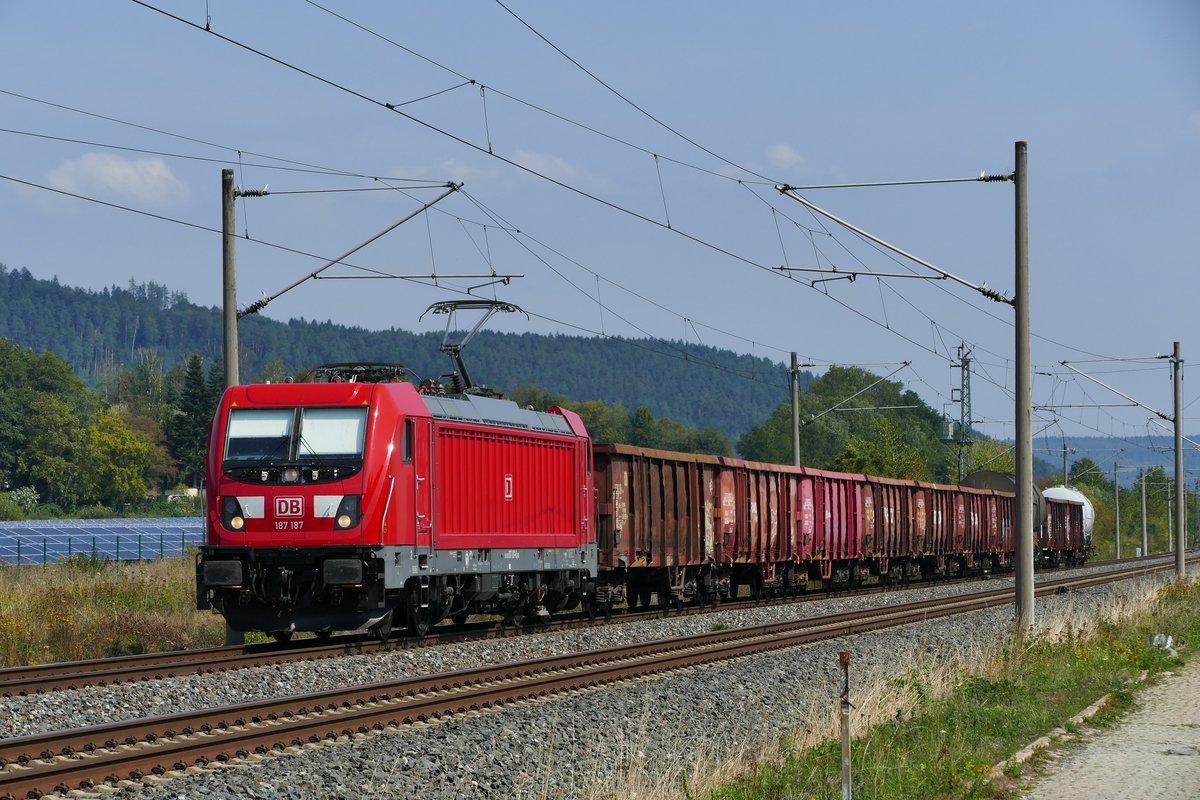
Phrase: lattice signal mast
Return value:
(966, 451)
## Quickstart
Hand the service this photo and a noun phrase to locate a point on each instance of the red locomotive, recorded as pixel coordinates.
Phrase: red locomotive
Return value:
(358, 502)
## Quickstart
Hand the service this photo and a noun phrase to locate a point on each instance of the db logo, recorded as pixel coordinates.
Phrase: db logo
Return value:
(289, 506)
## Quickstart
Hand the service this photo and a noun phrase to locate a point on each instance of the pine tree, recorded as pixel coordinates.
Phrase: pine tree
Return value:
(187, 434)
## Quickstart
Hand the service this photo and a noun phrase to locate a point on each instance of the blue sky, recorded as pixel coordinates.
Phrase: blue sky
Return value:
(1107, 94)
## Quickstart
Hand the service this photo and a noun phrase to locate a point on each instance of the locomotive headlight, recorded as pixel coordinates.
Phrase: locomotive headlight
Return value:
(290, 475)
(347, 513)
(232, 515)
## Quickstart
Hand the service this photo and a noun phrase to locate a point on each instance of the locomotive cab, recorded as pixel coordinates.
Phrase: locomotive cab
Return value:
(285, 547)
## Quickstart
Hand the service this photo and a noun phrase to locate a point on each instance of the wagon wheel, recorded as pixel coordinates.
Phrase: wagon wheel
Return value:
(516, 615)
(460, 617)
(281, 636)
(324, 634)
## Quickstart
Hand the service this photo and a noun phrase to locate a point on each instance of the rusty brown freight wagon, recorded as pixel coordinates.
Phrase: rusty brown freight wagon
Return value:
(691, 528)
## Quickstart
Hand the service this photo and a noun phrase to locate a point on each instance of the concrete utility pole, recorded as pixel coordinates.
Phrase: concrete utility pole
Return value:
(1065, 462)
(795, 412)
(1180, 544)
(1170, 523)
(1117, 506)
(1024, 401)
(228, 260)
(1144, 546)
(229, 276)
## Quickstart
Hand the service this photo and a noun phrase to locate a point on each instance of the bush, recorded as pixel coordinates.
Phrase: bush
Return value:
(96, 511)
(47, 511)
(26, 497)
(10, 510)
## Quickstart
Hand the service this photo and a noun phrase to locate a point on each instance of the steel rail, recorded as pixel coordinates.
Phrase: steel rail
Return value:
(84, 758)
(41, 678)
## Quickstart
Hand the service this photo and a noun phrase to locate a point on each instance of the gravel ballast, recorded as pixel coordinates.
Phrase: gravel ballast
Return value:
(574, 746)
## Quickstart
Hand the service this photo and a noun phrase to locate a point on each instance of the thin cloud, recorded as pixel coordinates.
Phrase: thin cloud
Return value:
(547, 164)
(147, 180)
(784, 156)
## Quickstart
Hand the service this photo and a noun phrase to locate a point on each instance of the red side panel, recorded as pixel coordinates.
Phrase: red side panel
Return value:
(502, 488)
(806, 517)
(842, 513)
(870, 539)
(938, 542)
(960, 523)
(727, 522)
(890, 513)
(920, 521)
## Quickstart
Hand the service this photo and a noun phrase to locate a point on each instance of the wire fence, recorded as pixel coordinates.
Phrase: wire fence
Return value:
(50, 541)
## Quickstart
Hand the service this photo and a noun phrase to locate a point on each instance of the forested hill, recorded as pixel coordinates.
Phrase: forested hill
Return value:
(98, 331)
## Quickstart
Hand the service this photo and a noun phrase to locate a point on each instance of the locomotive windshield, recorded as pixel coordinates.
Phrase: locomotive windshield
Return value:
(325, 442)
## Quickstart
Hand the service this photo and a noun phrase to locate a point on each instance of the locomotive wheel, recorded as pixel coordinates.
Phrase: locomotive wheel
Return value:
(421, 620)
(383, 628)
(281, 636)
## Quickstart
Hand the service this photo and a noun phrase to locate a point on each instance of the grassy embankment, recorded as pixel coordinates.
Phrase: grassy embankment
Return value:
(936, 730)
(87, 609)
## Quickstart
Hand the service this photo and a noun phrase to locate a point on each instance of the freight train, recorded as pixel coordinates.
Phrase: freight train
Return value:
(355, 499)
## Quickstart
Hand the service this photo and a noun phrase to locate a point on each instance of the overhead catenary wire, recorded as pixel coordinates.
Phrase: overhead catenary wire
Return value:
(392, 107)
(889, 329)
(640, 345)
(313, 169)
(261, 303)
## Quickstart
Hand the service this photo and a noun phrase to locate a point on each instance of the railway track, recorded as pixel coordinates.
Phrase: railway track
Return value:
(109, 754)
(16, 681)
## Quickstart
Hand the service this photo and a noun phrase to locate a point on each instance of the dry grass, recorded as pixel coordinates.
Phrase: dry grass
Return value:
(89, 609)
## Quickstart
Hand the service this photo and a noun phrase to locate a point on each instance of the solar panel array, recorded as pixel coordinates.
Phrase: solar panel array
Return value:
(48, 541)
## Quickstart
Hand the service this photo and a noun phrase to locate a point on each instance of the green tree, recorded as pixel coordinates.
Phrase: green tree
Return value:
(161, 470)
(274, 371)
(116, 460)
(51, 457)
(530, 395)
(886, 455)
(187, 432)
(993, 455)
(605, 423)
(144, 390)
(845, 402)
